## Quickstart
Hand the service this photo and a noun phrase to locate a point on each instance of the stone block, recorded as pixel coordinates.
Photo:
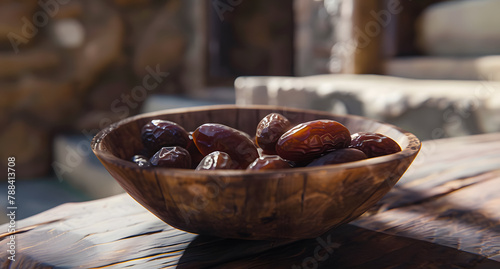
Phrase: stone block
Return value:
(251, 91)
(431, 109)
(460, 28)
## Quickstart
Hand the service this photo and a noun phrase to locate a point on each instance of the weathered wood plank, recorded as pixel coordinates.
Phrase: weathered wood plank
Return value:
(449, 196)
(425, 222)
(453, 158)
(467, 219)
(442, 166)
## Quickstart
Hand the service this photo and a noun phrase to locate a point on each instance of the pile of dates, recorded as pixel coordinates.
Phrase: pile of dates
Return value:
(277, 145)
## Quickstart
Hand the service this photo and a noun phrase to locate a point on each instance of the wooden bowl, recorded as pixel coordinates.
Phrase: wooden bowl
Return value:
(290, 203)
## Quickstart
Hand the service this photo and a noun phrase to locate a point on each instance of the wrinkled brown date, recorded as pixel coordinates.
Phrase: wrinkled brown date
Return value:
(269, 163)
(215, 161)
(161, 133)
(172, 157)
(215, 146)
(212, 137)
(269, 130)
(339, 156)
(374, 144)
(309, 140)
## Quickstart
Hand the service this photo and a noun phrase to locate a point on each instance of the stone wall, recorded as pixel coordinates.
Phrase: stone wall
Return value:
(78, 65)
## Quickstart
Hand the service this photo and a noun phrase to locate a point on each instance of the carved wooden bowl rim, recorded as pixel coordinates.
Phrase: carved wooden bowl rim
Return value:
(102, 152)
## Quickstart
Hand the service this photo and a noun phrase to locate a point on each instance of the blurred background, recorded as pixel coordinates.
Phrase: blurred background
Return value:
(68, 68)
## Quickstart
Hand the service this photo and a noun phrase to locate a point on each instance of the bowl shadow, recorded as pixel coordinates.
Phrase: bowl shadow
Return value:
(346, 246)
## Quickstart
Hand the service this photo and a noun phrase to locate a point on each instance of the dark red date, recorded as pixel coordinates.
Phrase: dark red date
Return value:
(171, 157)
(217, 160)
(339, 156)
(269, 130)
(310, 140)
(161, 133)
(269, 163)
(212, 137)
(374, 144)
(216, 146)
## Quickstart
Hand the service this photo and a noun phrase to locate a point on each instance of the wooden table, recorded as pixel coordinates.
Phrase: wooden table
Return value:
(443, 213)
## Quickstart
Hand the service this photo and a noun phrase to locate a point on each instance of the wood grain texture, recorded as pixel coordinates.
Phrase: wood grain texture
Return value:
(259, 205)
(443, 224)
(450, 196)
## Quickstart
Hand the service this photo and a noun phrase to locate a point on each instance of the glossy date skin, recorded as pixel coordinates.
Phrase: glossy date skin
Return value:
(212, 137)
(269, 163)
(310, 140)
(171, 157)
(215, 161)
(196, 155)
(374, 144)
(161, 133)
(141, 161)
(339, 156)
(269, 130)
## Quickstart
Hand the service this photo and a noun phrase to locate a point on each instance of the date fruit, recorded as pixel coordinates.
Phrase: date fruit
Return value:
(215, 161)
(172, 157)
(216, 146)
(269, 163)
(212, 137)
(339, 156)
(161, 133)
(310, 140)
(141, 161)
(196, 155)
(374, 144)
(269, 130)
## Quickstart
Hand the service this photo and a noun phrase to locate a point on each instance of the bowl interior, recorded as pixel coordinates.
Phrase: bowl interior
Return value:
(123, 139)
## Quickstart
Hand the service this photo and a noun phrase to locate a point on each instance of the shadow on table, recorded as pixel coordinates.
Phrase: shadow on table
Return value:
(347, 246)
